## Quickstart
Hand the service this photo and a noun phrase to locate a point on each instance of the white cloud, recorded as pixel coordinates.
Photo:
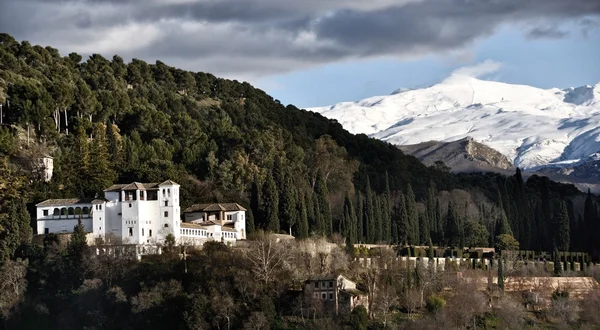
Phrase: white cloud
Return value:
(478, 70)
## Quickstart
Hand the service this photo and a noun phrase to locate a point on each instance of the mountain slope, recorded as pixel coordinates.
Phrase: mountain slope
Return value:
(464, 155)
(533, 127)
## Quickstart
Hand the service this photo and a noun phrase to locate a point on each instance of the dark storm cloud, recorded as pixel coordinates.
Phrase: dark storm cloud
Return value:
(254, 37)
(550, 32)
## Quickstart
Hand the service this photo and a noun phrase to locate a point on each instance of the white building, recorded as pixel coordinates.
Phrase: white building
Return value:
(135, 213)
(226, 221)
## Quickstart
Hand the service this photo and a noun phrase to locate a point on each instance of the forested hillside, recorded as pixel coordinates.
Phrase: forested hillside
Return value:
(104, 121)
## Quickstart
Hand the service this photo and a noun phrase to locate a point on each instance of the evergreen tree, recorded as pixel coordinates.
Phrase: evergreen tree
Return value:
(100, 173)
(387, 211)
(303, 221)
(500, 273)
(250, 223)
(370, 213)
(563, 232)
(452, 226)
(378, 201)
(270, 205)
(413, 216)
(423, 229)
(430, 253)
(323, 200)
(402, 221)
(360, 222)
(289, 204)
(351, 225)
(318, 225)
(255, 205)
(439, 231)
(590, 223)
(114, 145)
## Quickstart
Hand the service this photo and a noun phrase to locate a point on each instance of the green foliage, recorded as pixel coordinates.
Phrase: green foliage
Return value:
(359, 318)
(506, 242)
(435, 303)
(270, 205)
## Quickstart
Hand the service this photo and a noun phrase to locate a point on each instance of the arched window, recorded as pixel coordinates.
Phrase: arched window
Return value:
(71, 211)
(77, 210)
(63, 211)
(86, 210)
(56, 212)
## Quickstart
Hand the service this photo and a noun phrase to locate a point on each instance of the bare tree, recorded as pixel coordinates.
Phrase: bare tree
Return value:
(12, 285)
(267, 258)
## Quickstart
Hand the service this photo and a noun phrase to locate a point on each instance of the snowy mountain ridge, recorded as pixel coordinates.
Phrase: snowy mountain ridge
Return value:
(533, 127)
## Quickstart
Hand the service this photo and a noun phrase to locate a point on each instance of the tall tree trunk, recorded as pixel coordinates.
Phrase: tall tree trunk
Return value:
(66, 121)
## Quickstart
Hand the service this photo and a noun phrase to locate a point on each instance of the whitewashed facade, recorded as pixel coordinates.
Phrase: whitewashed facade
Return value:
(136, 213)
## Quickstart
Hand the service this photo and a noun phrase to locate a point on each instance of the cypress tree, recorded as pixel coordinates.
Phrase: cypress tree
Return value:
(310, 212)
(322, 194)
(387, 211)
(430, 254)
(403, 225)
(370, 213)
(318, 226)
(563, 230)
(413, 217)
(350, 215)
(378, 218)
(270, 205)
(114, 145)
(360, 222)
(500, 273)
(452, 226)
(303, 221)
(289, 204)
(250, 225)
(439, 232)
(424, 236)
(255, 206)
(100, 172)
(590, 222)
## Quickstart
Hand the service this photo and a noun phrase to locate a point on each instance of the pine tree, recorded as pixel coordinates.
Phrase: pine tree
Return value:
(250, 224)
(323, 200)
(563, 230)
(270, 205)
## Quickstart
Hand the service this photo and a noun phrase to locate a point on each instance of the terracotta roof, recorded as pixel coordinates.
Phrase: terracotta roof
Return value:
(169, 183)
(324, 277)
(191, 225)
(353, 292)
(212, 207)
(206, 224)
(99, 201)
(64, 202)
(133, 186)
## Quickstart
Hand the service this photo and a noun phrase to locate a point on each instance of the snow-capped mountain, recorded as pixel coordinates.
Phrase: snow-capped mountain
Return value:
(533, 127)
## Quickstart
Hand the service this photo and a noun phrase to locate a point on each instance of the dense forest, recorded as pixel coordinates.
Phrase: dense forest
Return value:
(108, 121)
(105, 121)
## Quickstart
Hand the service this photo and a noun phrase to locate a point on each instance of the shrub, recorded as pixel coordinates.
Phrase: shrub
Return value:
(435, 303)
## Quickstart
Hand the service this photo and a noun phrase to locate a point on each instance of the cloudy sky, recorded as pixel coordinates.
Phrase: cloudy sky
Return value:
(317, 52)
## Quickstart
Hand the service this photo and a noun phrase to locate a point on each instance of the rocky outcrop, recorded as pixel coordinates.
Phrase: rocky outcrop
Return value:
(464, 155)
